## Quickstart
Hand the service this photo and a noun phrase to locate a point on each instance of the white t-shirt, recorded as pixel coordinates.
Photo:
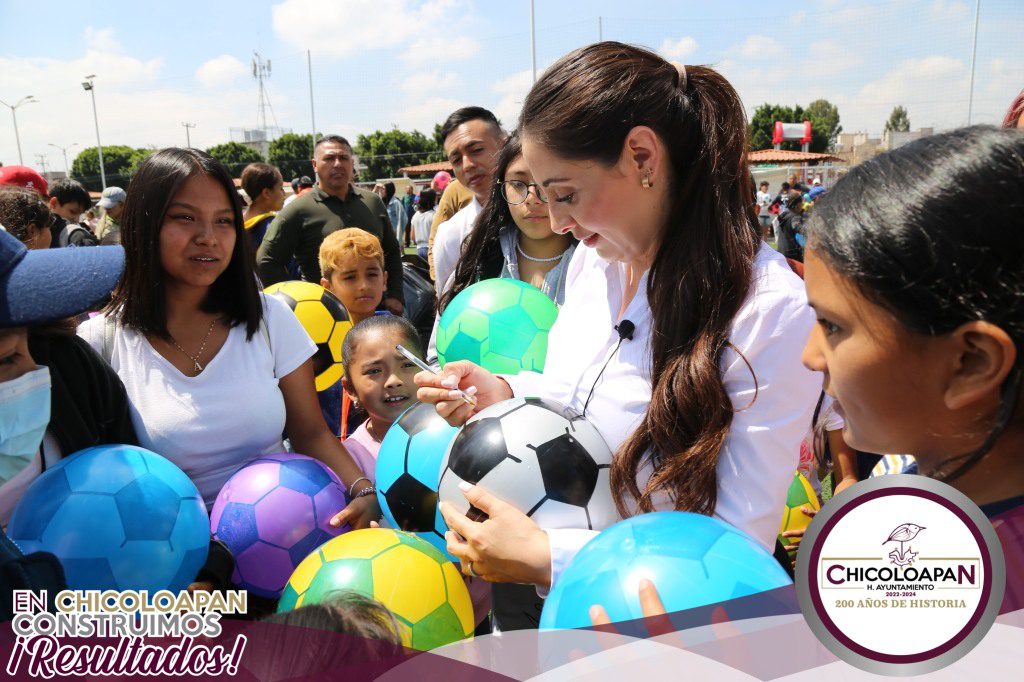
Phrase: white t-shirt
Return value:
(764, 200)
(211, 424)
(421, 222)
(762, 448)
(448, 242)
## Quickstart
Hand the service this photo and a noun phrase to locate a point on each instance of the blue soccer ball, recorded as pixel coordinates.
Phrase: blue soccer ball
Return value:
(118, 517)
(693, 560)
(409, 469)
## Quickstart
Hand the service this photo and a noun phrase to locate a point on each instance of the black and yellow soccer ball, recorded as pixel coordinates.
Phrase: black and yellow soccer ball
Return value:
(325, 320)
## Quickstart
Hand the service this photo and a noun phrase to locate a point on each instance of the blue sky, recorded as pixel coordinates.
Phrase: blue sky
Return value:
(378, 63)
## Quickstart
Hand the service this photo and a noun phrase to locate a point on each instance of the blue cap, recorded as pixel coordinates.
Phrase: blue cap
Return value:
(43, 285)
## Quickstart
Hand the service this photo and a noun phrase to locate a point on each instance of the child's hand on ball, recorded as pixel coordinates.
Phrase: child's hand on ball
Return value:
(359, 513)
(797, 535)
(472, 379)
(655, 618)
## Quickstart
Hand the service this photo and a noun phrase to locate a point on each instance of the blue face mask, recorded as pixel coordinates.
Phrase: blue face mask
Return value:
(24, 415)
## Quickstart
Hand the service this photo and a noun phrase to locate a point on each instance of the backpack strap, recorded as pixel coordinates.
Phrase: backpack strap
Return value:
(265, 333)
(109, 327)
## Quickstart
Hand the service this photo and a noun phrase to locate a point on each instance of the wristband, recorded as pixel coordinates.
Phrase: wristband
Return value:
(368, 490)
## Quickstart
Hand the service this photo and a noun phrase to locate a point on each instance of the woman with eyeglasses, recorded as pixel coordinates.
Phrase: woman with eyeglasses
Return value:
(513, 236)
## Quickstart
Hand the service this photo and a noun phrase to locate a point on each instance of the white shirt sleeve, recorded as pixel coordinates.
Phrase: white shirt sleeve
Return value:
(772, 415)
(446, 253)
(289, 342)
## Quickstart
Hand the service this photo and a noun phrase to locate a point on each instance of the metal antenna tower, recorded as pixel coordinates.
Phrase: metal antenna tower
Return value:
(261, 72)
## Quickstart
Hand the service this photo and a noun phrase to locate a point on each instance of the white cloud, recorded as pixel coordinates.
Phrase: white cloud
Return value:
(220, 71)
(513, 90)
(933, 89)
(421, 114)
(344, 28)
(830, 58)
(797, 19)
(678, 49)
(759, 46)
(431, 82)
(134, 107)
(949, 10)
(426, 51)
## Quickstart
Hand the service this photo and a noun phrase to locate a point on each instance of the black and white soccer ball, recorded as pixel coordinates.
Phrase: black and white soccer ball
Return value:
(543, 458)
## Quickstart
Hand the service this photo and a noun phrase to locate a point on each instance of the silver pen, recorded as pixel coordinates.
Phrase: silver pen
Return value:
(470, 400)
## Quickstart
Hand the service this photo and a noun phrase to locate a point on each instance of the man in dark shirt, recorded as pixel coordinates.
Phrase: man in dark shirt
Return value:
(333, 204)
(68, 200)
(790, 223)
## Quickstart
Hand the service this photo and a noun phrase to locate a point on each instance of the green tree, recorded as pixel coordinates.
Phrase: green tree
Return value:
(291, 153)
(138, 156)
(898, 121)
(116, 164)
(235, 155)
(384, 152)
(825, 128)
(762, 124)
(437, 136)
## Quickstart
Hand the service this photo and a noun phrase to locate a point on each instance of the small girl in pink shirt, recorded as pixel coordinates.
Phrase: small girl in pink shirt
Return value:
(379, 379)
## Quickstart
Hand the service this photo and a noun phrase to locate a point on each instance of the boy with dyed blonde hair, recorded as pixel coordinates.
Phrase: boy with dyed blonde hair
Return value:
(352, 268)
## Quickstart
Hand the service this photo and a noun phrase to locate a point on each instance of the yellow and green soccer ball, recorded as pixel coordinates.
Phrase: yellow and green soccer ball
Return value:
(800, 494)
(325, 320)
(418, 584)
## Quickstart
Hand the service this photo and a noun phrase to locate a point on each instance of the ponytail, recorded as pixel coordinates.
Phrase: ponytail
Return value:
(582, 109)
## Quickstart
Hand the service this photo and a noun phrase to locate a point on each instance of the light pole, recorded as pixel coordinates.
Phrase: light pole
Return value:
(188, 138)
(88, 87)
(28, 99)
(64, 150)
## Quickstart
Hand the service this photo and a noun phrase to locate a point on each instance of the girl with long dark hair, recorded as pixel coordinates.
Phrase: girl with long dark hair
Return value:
(919, 295)
(214, 369)
(681, 330)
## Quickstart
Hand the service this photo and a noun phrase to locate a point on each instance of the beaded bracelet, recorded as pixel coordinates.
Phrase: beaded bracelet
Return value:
(352, 487)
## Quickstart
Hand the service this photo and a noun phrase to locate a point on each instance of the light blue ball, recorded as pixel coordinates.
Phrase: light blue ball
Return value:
(693, 560)
(409, 470)
(118, 517)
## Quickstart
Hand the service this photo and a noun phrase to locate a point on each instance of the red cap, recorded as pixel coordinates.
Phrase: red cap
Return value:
(23, 176)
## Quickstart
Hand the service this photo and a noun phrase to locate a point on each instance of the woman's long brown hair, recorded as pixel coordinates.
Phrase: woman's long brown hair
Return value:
(582, 109)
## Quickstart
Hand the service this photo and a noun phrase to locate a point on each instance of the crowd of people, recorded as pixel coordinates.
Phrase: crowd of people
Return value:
(888, 320)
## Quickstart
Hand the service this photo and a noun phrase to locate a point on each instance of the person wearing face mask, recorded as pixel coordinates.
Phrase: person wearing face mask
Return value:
(39, 422)
(680, 334)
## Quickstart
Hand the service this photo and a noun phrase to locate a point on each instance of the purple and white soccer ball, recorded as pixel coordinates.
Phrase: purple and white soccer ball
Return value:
(272, 513)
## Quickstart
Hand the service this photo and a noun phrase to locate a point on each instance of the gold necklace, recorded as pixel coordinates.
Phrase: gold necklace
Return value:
(195, 358)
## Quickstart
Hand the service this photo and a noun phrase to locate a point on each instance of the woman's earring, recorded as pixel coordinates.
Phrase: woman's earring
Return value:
(645, 182)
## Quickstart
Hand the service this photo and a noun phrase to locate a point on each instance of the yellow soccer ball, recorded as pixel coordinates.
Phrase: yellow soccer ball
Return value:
(325, 320)
(800, 494)
(418, 584)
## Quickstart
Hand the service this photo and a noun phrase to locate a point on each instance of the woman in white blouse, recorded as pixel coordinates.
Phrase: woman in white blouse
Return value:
(214, 369)
(681, 332)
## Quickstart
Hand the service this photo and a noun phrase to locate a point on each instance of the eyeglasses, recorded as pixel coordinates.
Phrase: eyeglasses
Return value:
(517, 192)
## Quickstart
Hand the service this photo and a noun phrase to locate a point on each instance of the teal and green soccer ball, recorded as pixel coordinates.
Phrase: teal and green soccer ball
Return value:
(500, 324)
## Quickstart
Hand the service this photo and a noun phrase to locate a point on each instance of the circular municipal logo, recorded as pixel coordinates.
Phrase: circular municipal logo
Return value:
(900, 575)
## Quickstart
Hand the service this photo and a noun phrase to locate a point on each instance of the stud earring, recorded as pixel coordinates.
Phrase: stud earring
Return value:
(645, 182)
